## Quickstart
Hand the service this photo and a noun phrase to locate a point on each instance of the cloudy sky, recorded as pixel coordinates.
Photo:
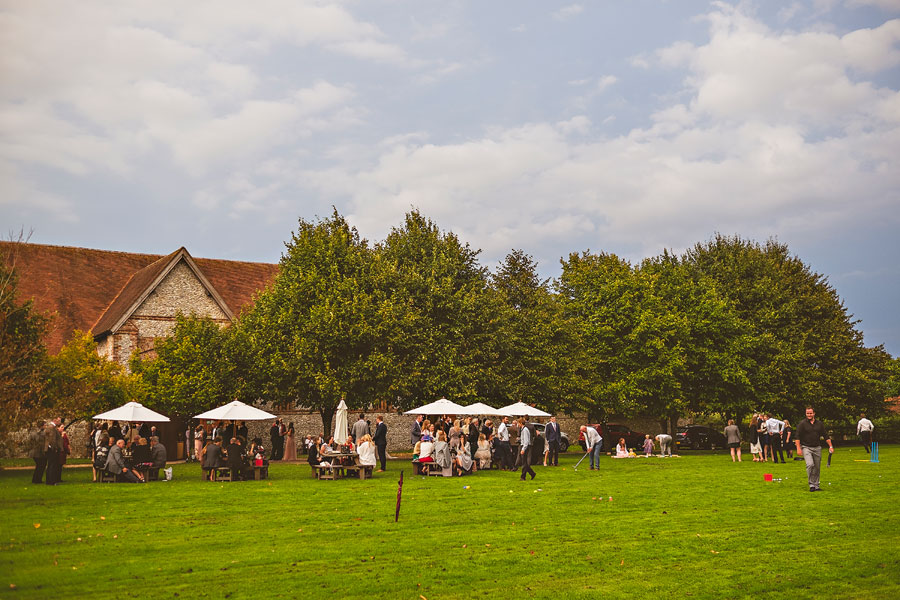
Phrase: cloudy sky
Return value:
(553, 127)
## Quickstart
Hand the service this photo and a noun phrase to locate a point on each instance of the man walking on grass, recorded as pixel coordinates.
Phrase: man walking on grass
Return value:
(525, 443)
(864, 431)
(810, 432)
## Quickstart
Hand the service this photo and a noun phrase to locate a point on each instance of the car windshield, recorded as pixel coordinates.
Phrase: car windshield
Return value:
(681, 430)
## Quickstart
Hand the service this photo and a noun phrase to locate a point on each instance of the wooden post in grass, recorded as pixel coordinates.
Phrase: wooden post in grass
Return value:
(399, 494)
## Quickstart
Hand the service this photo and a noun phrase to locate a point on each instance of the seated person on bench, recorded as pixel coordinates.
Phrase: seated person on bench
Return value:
(235, 452)
(115, 464)
(157, 454)
(366, 451)
(463, 460)
(213, 456)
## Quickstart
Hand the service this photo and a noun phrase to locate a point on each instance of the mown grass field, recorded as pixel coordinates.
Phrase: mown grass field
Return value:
(696, 526)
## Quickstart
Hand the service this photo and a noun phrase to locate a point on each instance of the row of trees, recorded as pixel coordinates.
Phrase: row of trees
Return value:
(726, 328)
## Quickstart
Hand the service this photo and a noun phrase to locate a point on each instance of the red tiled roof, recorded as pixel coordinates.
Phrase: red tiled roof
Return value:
(78, 285)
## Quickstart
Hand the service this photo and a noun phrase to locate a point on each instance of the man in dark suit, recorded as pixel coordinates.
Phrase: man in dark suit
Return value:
(416, 434)
(472, 435)
(380, 440)
(551, 432)
(277, 441)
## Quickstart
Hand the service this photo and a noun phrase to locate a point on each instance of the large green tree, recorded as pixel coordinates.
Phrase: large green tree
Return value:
(539, 346)
(803, 346)
(445, 318)
(314, 335)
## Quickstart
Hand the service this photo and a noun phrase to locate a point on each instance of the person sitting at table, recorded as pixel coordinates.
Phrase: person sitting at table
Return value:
(257, 448)
(463, 458)
(483, 453)
(101, 453)
(157, 454)
(235, 456)
(140, 454)
(366, 450)
(115, 464)
(426, 450)
(213, 456)
(442, 451)
(312, 453)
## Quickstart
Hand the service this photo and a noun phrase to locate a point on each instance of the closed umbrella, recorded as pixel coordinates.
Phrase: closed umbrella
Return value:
(340, 424)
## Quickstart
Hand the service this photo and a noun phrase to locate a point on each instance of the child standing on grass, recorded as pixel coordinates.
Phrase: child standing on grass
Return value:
(648, 446)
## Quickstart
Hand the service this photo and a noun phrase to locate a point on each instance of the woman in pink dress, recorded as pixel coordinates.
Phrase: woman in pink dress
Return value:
(290, 444)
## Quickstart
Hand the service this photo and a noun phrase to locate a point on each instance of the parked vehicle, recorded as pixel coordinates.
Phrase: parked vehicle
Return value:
(611, 432)
(698, 437)
(563, 438)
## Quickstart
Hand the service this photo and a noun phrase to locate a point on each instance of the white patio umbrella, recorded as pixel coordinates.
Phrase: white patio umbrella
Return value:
(340, 424)
(438, 407)
(480, 408)
(520, 409)
(236, 411)
(133, 412)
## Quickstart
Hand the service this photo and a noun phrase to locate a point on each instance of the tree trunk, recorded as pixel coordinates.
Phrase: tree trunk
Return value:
(327, 416)
(673, 424)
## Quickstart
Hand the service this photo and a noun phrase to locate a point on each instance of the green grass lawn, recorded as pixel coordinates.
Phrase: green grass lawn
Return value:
(697, 526)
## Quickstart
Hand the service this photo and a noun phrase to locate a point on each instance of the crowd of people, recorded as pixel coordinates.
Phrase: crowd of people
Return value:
(48, 446)
(463, 446)
(369, 447)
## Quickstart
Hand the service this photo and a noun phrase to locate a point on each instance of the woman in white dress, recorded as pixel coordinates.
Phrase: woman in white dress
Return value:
(366, 451)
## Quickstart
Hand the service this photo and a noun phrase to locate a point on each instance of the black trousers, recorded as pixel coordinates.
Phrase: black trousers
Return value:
(53, 467)
(553, 456)
(866, 438)
(526, 463)
(775, 442)
(505, 455)
(40, 465)
(382, 455)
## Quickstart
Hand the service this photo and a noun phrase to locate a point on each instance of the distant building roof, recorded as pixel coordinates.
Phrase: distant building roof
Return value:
(92, 290)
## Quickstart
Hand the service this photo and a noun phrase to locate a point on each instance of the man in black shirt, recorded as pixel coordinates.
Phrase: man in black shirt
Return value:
(810, 434)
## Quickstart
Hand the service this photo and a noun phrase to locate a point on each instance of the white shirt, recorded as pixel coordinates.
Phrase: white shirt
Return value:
(525, 438)
(592, 438)
(503, 432)
(864, 425)
(774, 426)
(366, 452)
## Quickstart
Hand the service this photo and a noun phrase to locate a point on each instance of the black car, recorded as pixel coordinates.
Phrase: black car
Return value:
(696, 437)
(563, 438)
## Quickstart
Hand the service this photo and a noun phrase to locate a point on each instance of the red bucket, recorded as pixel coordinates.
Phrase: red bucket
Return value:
(767, 476)
(258, 463)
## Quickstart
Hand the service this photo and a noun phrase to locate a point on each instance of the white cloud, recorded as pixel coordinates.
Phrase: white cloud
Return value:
(779, 133)
(567, 12)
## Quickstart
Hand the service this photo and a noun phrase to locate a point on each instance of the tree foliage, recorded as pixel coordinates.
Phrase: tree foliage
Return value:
(80, 383)
(190, 372)
(22, 351)
(442, 339)
(314, 334)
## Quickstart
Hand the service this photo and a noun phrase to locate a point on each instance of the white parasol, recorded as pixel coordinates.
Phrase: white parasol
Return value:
(236, 411)
(133, 412)
(340, 423)
(439, 407)
(480, 408)
(520, 409)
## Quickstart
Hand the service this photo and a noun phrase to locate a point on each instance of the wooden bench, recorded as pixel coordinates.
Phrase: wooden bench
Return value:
(323, 472)
(222, 474)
